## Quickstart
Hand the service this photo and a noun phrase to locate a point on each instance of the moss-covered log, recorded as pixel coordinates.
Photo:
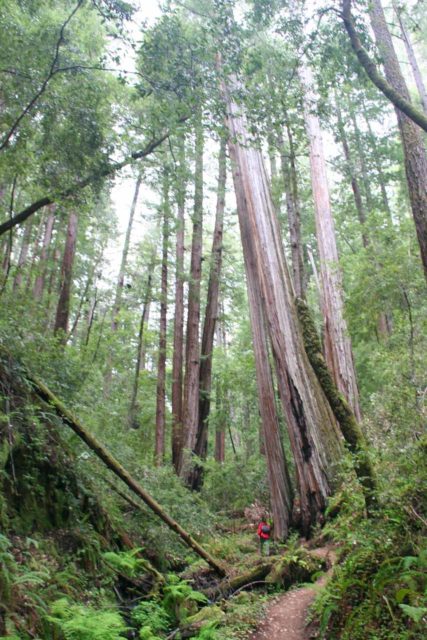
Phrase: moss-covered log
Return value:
(103, 454)
(349, 426)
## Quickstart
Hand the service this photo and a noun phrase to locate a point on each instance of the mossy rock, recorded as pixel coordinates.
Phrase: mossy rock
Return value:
(206, 616)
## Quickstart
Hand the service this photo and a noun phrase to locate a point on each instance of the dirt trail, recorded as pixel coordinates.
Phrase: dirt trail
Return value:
(286, 617)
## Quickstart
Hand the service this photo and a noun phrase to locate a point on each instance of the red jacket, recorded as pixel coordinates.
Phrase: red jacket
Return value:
(261, 533)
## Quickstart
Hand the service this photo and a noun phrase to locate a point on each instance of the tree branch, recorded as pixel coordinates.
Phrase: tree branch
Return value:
(109, 170)
(45, 82)
(376, 77)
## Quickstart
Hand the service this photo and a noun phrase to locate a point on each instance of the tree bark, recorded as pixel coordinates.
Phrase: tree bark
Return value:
(337, 344)
(350, 428)
(411, 57)
(211, 315)
(159, 449)
(412, 141)
(312, 428)
(63, 307)
(278, 474)
(178, 323)
(192, 355)
(38, 288)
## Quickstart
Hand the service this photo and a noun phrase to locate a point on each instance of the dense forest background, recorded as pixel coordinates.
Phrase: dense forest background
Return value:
(214, 254)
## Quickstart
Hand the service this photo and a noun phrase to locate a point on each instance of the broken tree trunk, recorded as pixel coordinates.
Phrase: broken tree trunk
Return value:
(114, 465)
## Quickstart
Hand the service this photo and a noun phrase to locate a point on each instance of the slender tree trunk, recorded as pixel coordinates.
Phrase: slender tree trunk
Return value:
(159, 450)
(337, 344)
(178, 323)
(360, 208)
(411, 57)
(413, 144)
(91, 316)
(117, 305)
(278, 475)
(312, 428)
(63, 307)
(23, 255)
(211, 315)
(41, 271)
(192, 355)
(293, 210)
(220, 425)
(133, 409)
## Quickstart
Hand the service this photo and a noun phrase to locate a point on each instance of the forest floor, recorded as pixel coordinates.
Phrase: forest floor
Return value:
(286, 618)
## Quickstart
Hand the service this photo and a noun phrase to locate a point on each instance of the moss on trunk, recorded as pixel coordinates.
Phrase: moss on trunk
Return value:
(349, 426)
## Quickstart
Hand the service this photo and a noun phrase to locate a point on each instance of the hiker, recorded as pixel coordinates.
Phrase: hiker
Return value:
(263, 532)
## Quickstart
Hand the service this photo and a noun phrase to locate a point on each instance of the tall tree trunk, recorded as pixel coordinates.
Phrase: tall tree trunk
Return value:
(117, 305)
(312, 428)
(413, 144)
(63, 307)
(159, 450)
(133, 409)
(178, 322)
(337, 344)
(411, 57)
(41, 271)
(220, 425)
(278, 475)
(192, 355)
(351, 170)
(211, 315)
(23, 255)
(293, 210)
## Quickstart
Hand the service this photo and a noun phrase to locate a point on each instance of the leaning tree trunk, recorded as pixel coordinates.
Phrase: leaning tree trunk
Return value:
(159, 449)
(314, 437)
(114, 465)
(416, 72)
(63, 307)
(278, 475)
(337, 344)
(192, 355)
(178, 322)
(412, 141)
(211, 314)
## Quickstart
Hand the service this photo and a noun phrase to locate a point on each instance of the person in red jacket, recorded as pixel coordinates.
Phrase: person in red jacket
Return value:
(263, 532)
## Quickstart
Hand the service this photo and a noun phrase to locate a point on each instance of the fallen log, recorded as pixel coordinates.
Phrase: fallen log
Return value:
(44, 393)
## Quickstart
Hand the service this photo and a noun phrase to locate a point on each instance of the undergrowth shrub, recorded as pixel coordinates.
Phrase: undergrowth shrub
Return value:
(235, 484)
(79, 622)
(379, 589)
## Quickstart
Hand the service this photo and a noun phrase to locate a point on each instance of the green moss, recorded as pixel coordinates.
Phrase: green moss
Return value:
(349, 426)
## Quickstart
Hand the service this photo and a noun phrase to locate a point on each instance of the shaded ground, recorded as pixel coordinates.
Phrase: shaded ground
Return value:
(286, 617)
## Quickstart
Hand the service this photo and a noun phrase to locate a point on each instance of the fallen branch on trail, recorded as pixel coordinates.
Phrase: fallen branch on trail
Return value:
(103, 454)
